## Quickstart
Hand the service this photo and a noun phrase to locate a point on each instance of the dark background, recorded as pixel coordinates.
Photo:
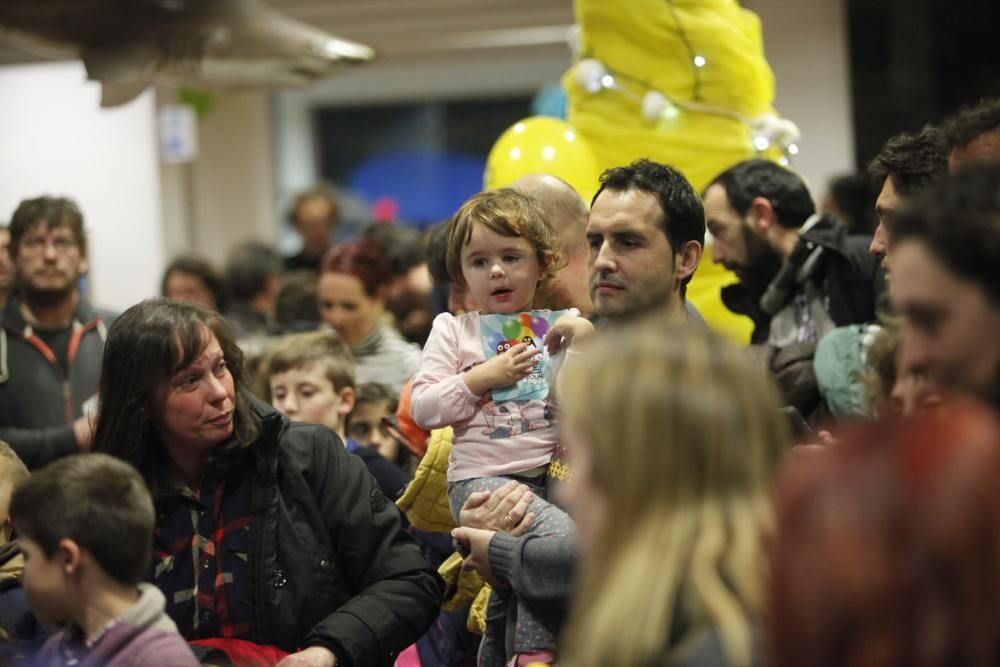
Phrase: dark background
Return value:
(914, 62)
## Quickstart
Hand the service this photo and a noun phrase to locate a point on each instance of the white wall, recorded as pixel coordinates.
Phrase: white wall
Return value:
(57, 140)
(806, 43)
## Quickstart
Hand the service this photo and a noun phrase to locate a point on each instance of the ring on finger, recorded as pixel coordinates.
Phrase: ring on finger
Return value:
(508, 520)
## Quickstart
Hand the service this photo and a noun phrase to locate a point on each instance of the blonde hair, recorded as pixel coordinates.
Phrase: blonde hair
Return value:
(507, 212)
(685, 436)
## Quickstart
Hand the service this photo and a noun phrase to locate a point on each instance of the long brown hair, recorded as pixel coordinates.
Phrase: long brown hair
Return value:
(146, 345)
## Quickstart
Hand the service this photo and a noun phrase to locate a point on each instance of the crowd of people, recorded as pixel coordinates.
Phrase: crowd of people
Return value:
(512, 440)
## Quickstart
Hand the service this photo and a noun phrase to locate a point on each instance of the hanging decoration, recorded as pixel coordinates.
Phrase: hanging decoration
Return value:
(681, 81)
(684, 82)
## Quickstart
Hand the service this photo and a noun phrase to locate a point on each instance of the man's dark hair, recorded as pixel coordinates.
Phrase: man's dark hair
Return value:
(437, 253)
(318, 191)
(201, 269)
(55, 211)
(785, 189)
(402, 246)
(296, 303)
(970, 122)
(95, 500)
(248, 268)
(913, 161)
(146, 346)
(854, 197)
(958, 219)
(683, 217)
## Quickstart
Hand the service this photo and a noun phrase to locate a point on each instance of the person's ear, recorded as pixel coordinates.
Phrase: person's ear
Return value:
(762, 216)
(687, 259)
(348, 399)
(69, 555)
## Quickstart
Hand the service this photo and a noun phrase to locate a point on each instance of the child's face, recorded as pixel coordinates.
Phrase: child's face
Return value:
(305, 394)
(366, 427)
(45, 583)
(502, 271)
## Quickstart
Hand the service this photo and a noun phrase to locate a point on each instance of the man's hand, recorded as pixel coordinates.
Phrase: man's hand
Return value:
(83, 429)
(314, 656)
(569, 331)
(478, 543)
(504, 509)
(502, 370)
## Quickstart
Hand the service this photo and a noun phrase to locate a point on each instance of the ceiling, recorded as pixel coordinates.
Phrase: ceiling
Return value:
(402, 30)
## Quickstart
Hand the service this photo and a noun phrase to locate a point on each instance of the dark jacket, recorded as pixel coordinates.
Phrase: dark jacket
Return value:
(38, 401)
(330, 563)
(847, 274)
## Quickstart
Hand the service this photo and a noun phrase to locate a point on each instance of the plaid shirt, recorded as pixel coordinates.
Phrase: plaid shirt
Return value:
(200, 559)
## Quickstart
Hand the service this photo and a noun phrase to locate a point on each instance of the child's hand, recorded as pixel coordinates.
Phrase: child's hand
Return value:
(503, 370)
(568, 331)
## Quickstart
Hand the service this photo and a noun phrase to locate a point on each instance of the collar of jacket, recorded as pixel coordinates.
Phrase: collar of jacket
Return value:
(14, 320)
(370, 344)
(272, 425)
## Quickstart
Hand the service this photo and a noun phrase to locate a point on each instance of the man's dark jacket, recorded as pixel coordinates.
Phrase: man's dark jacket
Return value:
(848, 275)
(330, 564)
(38, 401)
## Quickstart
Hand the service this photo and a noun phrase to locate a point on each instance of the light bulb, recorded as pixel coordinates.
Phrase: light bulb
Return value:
(654, 103)
(588, 74)
(699, 61)
(607, 81)
(761, 143)
(793, 149)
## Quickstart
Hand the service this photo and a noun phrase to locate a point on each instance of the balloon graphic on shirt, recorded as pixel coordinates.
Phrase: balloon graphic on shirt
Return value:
(540, 326)
(512, 328)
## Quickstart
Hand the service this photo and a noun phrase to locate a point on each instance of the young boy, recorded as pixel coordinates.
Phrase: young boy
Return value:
(311, 379)
(372, 423)
(86, 530)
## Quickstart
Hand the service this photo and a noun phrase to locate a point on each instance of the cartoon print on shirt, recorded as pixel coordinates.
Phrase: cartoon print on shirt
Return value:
(510, 418)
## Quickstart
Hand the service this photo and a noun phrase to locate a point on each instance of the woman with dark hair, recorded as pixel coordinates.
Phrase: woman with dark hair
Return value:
(192, 279)
(352, 292)
(267, 531)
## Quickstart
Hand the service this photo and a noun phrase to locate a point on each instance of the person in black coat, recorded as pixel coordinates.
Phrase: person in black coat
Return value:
(267, 531)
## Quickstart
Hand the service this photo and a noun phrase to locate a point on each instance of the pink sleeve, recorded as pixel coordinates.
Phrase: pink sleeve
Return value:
(440, 396)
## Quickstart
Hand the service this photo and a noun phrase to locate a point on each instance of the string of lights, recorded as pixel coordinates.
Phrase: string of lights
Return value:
(768, 130)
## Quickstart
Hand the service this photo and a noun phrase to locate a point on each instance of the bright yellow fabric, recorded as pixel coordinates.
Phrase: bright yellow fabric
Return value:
(425, 502)
(640, 40)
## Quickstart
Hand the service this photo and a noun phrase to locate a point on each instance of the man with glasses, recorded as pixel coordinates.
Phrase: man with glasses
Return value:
(51, 341)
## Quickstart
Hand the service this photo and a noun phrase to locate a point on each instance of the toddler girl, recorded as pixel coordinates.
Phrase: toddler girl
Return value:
(502, 249)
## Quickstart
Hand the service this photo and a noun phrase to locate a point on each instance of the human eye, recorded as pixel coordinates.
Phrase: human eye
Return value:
(478, 262)
(511, 258)
(221, 367)
(594, 241)
(188, 382)
(307, 391)
(278, 393)
(629, 241)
